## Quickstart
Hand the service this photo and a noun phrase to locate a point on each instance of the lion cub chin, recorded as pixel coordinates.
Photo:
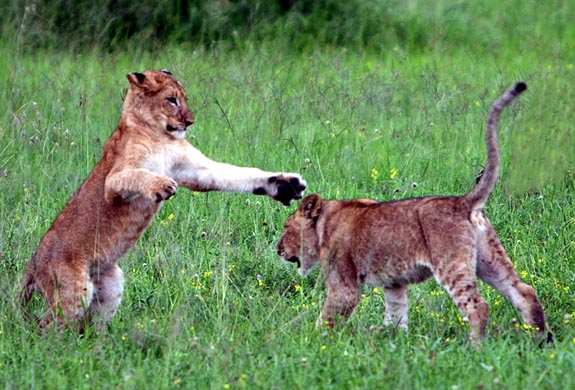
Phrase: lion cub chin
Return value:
(144, 162)
(393, 244)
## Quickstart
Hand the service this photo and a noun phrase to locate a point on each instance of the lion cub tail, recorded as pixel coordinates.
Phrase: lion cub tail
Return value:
(478, 196)
(28, 284)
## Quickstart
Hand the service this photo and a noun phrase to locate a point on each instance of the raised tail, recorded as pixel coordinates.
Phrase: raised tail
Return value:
(477, 197)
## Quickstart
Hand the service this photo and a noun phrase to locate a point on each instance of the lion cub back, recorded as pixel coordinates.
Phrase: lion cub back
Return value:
(373, 232)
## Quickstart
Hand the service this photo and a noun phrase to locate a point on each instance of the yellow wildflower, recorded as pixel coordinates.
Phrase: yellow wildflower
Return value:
(374, 173)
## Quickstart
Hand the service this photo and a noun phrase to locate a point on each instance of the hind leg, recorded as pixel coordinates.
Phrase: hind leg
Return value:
(68, 291)
(496, 269)
(452, 246)
(109, 286)
(396, 305)
(454, 269)
(462, 287)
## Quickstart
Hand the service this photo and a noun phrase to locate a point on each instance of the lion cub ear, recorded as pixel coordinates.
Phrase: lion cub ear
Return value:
(311, 206)
(136, 78)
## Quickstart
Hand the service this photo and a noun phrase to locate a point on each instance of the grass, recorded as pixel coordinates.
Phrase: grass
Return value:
(208, 303)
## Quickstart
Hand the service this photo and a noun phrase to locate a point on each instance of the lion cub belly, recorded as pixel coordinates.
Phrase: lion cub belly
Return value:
(389, 279)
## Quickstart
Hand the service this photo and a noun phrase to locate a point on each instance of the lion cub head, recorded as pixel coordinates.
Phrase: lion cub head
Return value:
(299, 242)
(159, 100)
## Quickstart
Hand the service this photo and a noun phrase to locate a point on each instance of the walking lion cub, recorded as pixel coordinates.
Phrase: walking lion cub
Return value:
(143, 163)
(393, 244)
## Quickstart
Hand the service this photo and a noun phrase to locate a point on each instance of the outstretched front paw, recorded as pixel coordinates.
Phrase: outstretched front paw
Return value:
(283, 188)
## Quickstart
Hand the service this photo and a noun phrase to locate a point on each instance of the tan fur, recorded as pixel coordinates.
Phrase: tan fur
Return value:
(143, 163)
(393, 244)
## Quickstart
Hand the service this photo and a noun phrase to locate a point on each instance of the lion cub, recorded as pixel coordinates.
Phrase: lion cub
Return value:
(143, 162)
(393, 244)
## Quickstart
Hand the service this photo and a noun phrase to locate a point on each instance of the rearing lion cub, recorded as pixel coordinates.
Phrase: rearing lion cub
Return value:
(143, 163)
(393, 244)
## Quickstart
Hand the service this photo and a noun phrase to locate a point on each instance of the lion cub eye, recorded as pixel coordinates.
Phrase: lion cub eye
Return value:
(173, 101)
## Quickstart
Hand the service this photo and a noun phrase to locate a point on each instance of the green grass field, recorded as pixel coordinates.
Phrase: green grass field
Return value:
(207, 302)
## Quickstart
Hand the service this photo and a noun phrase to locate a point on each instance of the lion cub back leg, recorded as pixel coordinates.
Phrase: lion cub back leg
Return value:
(108, 290)
(396, 306)
(69, 293)
(453, 264)
(496, 269)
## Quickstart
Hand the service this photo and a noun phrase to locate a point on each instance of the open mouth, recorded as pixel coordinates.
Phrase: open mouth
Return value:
(295, 259)
(172, 128)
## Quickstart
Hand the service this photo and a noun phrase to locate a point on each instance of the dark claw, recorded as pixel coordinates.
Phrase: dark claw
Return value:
(288, 189)
(169, 191)
(286, 192)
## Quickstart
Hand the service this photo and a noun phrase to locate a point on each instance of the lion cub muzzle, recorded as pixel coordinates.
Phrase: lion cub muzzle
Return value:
(184, 120)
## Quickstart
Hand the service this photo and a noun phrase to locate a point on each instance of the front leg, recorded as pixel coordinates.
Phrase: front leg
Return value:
(128, 183)
(343, 291)
(339, 304)
(196, 172)
(396, 310)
